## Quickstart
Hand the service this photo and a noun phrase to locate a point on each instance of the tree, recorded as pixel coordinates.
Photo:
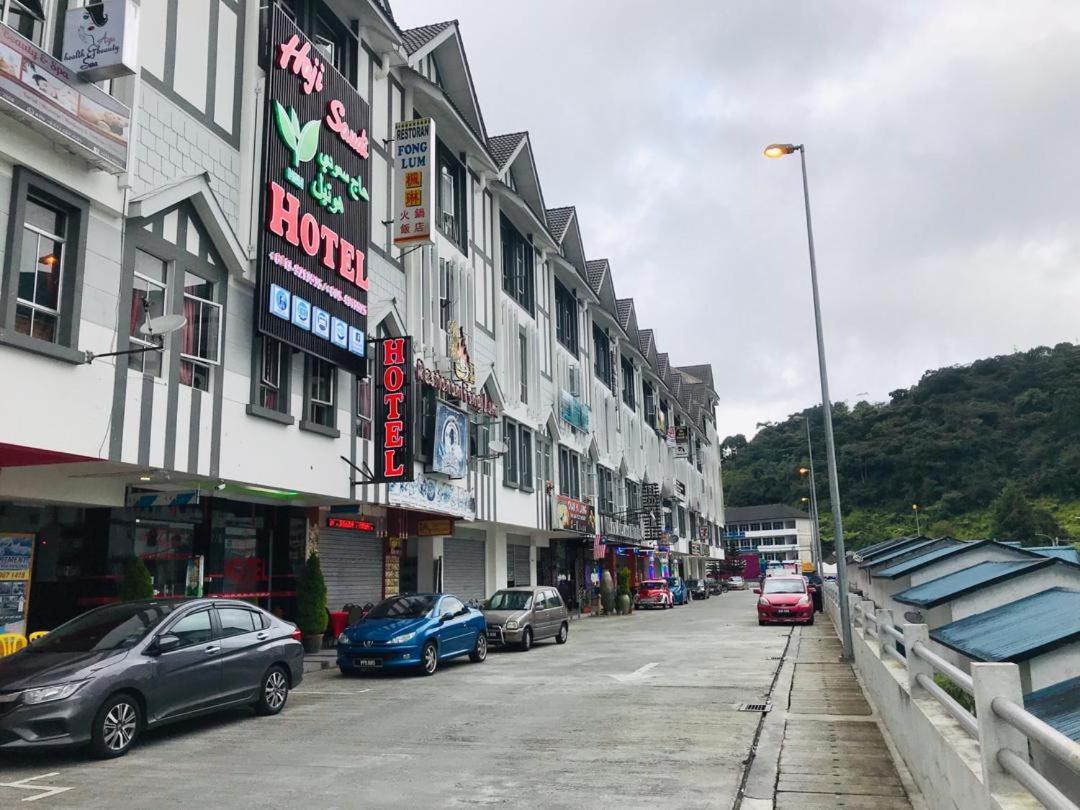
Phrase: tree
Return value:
(1014, 518)
(136, 583)
(311, 615)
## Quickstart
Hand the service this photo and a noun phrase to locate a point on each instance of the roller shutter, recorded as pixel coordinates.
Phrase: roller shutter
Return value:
(517, 565)
(352, 566)
(464, 568)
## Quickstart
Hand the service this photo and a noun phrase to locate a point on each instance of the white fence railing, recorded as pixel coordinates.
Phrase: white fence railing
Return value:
(1002, 728)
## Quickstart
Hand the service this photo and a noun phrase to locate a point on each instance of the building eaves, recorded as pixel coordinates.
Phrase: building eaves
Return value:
(416, 38)
(1057, 706)
(865, 558)
(945, 589)
(504, 147)
(916, 550)
(1067, 553)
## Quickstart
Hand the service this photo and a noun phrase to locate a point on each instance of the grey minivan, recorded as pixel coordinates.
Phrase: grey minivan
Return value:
(520, 616)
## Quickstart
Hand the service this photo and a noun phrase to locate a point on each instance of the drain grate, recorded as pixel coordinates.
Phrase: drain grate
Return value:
(753, 707)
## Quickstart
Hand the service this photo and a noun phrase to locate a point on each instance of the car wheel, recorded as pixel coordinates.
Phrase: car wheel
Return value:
(811, 619)
(479, 652)
(273, 692)
(429, 658)
(760, 623)
(564, 633)
(526, 640)
(116, 725)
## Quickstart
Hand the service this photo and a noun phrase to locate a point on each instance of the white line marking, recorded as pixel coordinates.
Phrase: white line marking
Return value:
(48, 789)
(637, 674)
(323, 692)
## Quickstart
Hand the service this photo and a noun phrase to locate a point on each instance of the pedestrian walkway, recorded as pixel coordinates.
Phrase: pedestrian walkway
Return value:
(820, 746)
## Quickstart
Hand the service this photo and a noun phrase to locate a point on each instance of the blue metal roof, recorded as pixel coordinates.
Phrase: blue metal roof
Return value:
(868, 556)
(1017, 631)
(946, 588)
(1058, 706)
(899, 555)
(1067, 553)
(923, 560)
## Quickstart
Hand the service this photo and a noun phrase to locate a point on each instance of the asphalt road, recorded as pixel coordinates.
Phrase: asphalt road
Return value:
(632, 712)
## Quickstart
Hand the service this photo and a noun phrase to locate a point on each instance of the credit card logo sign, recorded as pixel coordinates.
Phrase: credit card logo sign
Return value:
(301, 313)
(320, 323)
(356, 341)
(339, 333)
(280, 301)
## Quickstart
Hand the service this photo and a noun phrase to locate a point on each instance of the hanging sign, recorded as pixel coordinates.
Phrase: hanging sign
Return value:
(101, 39)
(682, 441)
(16, 563)
(651, 515)
(477, 401)
(393, 410)
(432, 495)
(414, 176)
(313, 277)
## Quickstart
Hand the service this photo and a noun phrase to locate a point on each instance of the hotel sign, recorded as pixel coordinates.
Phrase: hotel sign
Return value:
(393, 410)
(316, 214)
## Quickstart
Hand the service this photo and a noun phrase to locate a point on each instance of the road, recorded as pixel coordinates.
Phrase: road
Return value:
(633, 711)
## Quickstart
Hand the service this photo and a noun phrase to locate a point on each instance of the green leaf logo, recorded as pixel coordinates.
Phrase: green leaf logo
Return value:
(303, 141)
(308, 142)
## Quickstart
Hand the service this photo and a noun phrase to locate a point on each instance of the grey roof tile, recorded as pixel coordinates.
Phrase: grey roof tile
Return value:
(595, 269)
(503, 146)
(417, 38)
(558, 219)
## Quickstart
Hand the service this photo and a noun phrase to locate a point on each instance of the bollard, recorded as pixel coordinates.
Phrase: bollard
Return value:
(994, 681)
(868, 609)
(916, 665)
(884, 619)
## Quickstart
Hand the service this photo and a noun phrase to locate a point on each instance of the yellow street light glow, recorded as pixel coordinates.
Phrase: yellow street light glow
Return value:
(915, 506)
(803, 470)
(776, 150)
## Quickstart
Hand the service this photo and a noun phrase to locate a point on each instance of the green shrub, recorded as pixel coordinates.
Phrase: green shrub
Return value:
(311, 615)
(955, 692)
(136, 583)
(624, 581)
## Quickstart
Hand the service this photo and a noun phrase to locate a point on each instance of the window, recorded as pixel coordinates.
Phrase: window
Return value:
(510, 457)
(628, 384)
(633, 496)
(273, 375)
(523, 353)
(517, 461)
(451, 198)
(525, 459)
(566, 318)
(321, 395)
(41, 272)
(697, 461)
(446, 295)
(28, 17)
(602, 361)
(200, 339)
(193, 629)
(363, 408)
(650, 403)
(517, 255)
(237, 621)
(682, 521)
(569, 473)
(789, 524)
(755, 527)
(451, 605)
(148, 300)
(606, 482)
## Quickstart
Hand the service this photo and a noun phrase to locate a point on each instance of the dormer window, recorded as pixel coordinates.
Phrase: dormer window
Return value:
(451, 198)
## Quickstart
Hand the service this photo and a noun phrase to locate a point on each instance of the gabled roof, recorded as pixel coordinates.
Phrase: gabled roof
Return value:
(889, 549)
(1058, 707)
(624, 309)
(873, 548)
(601, 282)
(416, 38)
(949, 587)
(701, 373)
(647, 345)
(772, 511)
(663, 365)
(558, 219)
(1018, 630)
(504, 147)
(514, 155)
(595, 269)
(1067, 553)
(915, 550)
(444, 42)
(921, 561)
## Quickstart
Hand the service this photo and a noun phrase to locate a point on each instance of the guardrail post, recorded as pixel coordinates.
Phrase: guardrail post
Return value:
(993, 681)
(915, 665)
(853, 602)
(884, 619)
(868, 609)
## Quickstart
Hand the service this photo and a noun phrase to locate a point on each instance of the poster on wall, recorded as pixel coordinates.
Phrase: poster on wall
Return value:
(450, 455)
(393, 410)
(316, 212)
(682, 441)
(414, 178)
(574, 516)
(391, 566)
(16, 563)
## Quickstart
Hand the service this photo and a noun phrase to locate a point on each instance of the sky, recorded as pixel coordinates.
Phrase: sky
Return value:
(945, 190)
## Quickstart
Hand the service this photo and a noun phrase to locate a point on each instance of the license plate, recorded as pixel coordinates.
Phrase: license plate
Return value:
(783, 612)
(493, 634)
(368, 663)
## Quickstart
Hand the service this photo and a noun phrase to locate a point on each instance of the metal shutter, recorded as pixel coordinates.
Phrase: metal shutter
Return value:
(352, 566)
(517, 565)
(464, 568)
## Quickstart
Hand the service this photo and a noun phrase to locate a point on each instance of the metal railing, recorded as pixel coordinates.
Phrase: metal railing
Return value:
(1000, 725)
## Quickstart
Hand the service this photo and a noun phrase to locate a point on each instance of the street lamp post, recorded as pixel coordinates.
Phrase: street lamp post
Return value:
(777, 150)
(816, 539)
(918, 525)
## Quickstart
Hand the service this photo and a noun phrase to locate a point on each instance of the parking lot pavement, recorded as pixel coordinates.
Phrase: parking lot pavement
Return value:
(632, 712)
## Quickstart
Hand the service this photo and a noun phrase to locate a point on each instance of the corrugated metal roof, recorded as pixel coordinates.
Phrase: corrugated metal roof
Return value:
(1067, 553)
(946, 588)
(907, 552)
(1058, 706)
(866, 555)
(923, 560)
(1017, 631)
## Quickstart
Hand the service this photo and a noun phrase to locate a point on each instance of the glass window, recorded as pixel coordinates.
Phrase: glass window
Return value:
(27, 17)
(273, 388)
(451, 197)
(650, 403)
(510, 459)
(523, 353)
(789, 524)
(569, 473)
(450, 604)
(148, 300)
(112, 627)
(193, 629)
(517, 269)
(41, 271)
(510, 600)
(525, 472)
(602, 360)
(628, 384)
(755, 527)
(200, 339)
(321, 391)
(566, 318)
(237, 621)
(363, 408)
(446, 296)
(403, 607)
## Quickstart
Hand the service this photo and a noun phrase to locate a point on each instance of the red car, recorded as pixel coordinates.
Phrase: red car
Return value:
(653, 593)
(785, 599)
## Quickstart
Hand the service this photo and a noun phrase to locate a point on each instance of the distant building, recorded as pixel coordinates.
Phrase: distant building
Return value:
(773, 532)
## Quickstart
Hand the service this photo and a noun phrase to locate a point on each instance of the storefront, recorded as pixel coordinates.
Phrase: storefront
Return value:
(465, 564)
(351, 553)
(570, 558)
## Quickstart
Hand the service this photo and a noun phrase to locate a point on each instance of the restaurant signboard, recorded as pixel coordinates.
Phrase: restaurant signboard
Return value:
(573, 515)
(414, 176)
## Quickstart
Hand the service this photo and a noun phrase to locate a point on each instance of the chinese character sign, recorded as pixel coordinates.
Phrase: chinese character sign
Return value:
(651, 516)
(414, 176)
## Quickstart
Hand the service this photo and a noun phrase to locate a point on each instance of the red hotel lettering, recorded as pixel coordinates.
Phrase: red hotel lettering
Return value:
(393, 426)
(335, 119)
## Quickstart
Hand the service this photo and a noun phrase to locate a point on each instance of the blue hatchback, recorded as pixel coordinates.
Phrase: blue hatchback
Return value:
(413, 630)
(680, 594)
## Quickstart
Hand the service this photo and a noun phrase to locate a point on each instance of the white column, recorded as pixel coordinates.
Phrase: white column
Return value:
(428, 550)
(884, 619)
(533, 556)
(915, 665)
(495, 548)
(994, 681)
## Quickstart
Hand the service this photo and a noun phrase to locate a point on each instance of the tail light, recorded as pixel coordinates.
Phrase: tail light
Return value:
(297, 635)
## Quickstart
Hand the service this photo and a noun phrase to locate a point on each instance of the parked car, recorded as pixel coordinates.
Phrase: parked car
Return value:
(653, 593)
(520, 616)
(716, 586)
(785, 599)
(736, 584)
(680, 595)
(699, 588)
(413, 630)
(108, 675)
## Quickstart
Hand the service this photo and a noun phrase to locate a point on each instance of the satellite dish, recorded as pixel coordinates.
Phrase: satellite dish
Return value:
(497, 447)
(163, 325)
(914, 616)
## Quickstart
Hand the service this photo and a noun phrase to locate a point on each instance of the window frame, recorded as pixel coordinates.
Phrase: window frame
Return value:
(518, 462)
(569, 473)
(629, 397)
(364, 417)
(455, 170)
(602, 365)
(306, 421)
(521, 288)
(566, 318)
(197, 362)
(164, 287)
(523, 359)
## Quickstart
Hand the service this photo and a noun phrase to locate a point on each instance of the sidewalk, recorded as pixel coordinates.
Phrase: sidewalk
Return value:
(820, 746)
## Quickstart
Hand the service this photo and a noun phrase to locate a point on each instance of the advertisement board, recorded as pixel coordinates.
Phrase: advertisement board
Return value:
(651, 516)
(432, 495)
(573, 515)
(450, 453)
(101, 40)
(16, 564)
(393, 404)
(682, 441)
(573, 411)
(316, 215)
(414, 179)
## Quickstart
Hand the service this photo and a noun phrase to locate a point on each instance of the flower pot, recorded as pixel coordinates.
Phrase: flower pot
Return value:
(313, 643)
(624, 604)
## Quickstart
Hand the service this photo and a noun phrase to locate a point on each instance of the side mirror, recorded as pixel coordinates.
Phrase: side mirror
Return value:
(445, 618)
(164, 643)
(757, 590)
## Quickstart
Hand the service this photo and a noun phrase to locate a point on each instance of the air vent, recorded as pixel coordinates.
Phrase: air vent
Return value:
(753, 707)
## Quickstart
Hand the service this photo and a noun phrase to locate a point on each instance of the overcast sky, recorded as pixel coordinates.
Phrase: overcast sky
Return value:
(942, 144)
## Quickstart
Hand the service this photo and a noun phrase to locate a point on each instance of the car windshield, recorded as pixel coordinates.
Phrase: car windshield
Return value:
(785, 586)
(735, 579)
(114, 627)
(652, 586)
(403, 607)
(673, 581)
(509, 600)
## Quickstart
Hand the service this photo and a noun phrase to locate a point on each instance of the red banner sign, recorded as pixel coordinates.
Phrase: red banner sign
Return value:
(393, 410)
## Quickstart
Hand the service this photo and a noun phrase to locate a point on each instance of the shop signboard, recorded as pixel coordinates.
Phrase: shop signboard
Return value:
(573, 411)
(671, 436)
(432, 495)
(357, 524)
(393, 410)
(573, 515)
(16, 564)
(450, 454)
(651, 516)
(680, 490)
(316, 215)
(101, 40)
(682, 441)
(464, 393)
(52, 100)
(414, 176)
(434, 527)
(391, 566)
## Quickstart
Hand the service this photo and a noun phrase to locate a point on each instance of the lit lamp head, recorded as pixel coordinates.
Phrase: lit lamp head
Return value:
(778, 150)
(804, 470)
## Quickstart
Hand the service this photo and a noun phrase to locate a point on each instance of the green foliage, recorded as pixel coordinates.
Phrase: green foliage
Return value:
(137, 583)
(955, 692)
(311, 615)
(951, 443)
(1014, 518)
(624, 581)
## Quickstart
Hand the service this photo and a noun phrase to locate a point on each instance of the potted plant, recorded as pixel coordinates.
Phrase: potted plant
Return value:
(624, 591)
(311, 615)
(136, 583)
(607, 593)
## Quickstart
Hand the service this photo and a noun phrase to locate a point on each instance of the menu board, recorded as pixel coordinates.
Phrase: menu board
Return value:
(392, 566)
(16, 563)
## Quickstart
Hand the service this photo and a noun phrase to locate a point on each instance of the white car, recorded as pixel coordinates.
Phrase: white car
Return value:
(736, 584)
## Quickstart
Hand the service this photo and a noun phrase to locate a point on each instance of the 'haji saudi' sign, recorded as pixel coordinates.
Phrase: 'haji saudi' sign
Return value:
(414, 176)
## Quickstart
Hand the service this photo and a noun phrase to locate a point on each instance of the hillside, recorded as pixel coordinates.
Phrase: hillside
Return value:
(950, 443)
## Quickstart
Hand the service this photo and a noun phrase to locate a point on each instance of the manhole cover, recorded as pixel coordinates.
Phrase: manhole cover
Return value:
(753, 707)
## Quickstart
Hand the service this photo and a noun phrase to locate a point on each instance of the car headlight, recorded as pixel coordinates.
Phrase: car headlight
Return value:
(344, 639)
(763, 602)
(511, 624)
(804, 601)
(404, 637)
(45, 694)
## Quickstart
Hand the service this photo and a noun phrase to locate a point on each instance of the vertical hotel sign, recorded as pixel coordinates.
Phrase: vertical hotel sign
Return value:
(316, 212)
(414, 176)
(393, 410)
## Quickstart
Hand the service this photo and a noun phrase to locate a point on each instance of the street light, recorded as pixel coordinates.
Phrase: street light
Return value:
(777, 150)
(918, 526)
(816, 533)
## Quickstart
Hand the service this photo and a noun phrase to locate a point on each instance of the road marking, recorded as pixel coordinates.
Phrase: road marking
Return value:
(48, 790)
(637, 674)
(325, 692)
